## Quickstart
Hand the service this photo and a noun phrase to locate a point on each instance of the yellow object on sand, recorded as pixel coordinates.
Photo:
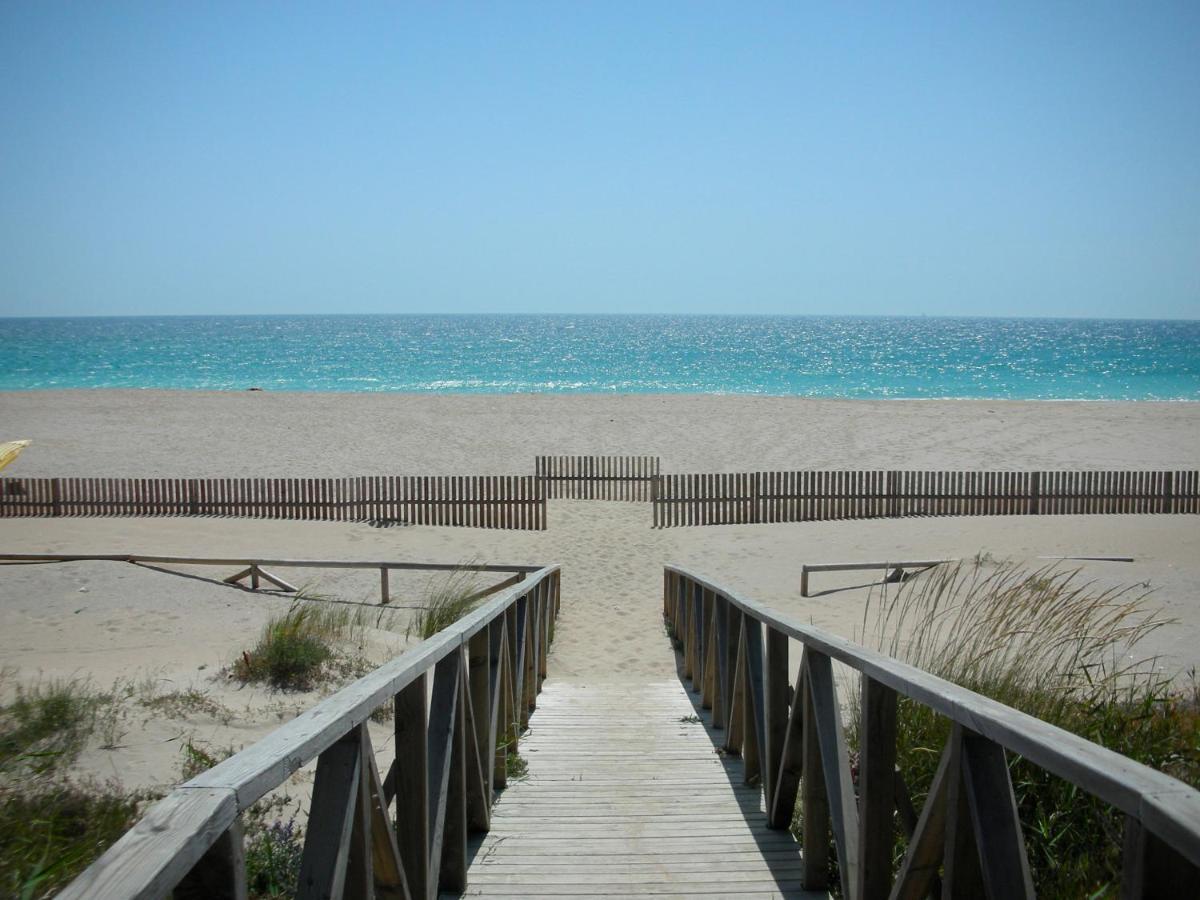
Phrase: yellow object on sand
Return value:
(10, 450)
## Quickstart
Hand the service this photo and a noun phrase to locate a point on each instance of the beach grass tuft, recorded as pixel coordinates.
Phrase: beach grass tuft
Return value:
(47, 724)
(448, 597)
(1058, 647)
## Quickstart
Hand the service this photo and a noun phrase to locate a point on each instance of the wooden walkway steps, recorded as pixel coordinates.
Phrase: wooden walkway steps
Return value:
(626, 795)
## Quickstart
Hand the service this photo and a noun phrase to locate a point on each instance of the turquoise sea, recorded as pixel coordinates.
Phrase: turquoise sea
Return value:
(833, 356)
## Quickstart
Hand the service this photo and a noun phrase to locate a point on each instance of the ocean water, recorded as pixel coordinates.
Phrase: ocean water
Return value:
(1050, 359)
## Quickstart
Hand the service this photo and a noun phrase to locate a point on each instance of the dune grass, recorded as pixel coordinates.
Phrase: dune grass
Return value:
(46, 724)
(50, 826)
(1062, 649)
(312, 643)
(448, 597)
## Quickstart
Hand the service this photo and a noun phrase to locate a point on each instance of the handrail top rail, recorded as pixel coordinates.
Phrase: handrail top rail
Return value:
(261, 561)
(267, 763)
(1166, 805)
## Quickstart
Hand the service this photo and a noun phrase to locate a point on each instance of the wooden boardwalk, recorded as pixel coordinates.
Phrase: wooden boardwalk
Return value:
(626, 795)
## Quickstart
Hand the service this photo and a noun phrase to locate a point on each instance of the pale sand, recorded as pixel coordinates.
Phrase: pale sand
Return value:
(130, 622)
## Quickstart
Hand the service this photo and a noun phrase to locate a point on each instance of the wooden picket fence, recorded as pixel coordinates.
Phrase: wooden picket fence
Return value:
(597, 477)
(746, 497)
(475, 501)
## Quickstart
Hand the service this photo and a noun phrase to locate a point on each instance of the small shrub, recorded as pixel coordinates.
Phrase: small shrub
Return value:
(292, 650)
(447, 599)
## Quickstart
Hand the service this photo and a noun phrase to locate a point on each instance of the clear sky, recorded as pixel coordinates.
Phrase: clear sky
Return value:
(962, 158)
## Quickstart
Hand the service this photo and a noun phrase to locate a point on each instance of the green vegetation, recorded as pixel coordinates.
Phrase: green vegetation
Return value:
(50, 831)
(273, 846)
(46, 725)
(50, 827)
(317, 641)
(291, 651)
(515, 765)
(1059, 649)
(448, 598)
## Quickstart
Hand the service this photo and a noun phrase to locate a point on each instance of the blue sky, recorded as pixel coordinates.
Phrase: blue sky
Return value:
(958, 158)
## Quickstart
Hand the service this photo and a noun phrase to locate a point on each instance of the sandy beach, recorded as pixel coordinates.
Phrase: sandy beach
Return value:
(113, 621)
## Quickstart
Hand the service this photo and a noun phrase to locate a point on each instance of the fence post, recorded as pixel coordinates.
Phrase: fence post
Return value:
(56, 497)
(1035, 488)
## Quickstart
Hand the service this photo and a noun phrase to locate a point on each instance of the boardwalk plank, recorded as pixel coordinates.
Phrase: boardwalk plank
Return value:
(626, 795)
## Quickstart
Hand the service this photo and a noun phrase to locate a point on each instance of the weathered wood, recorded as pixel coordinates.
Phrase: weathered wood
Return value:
(479, 756)
(334, 802)
(1004, 863)
(807, 568)
(174, 835)
(835, 764)
(1113, 778)
(411, 784)
(452, 873)
(963, 875)
(791, 758)
(877, 790)
(1151, 869)
(360, 862)
(775, 710)
(221, 872)
(814, 797)
(753, 725)
(443, 713)
(715, 498)
(274, 563)
(919, 870)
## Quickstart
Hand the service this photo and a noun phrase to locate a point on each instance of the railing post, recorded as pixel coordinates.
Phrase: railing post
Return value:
(877, 789)
(479, 731)
(447, 800)
(326, 858)
(775, 703)
(720, 706)
(696, 616)
(963, 877)
(835, 765)
(385, 596)
(1150, 869)
(412, 784)
(221, 872)
(814, 804)
(709, 651)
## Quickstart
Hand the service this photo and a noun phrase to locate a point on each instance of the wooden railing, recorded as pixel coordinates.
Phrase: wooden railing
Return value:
(255, 569)
(476, 501)
(487, 670)
(735, 652)
(597, 477)
(749, 497)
